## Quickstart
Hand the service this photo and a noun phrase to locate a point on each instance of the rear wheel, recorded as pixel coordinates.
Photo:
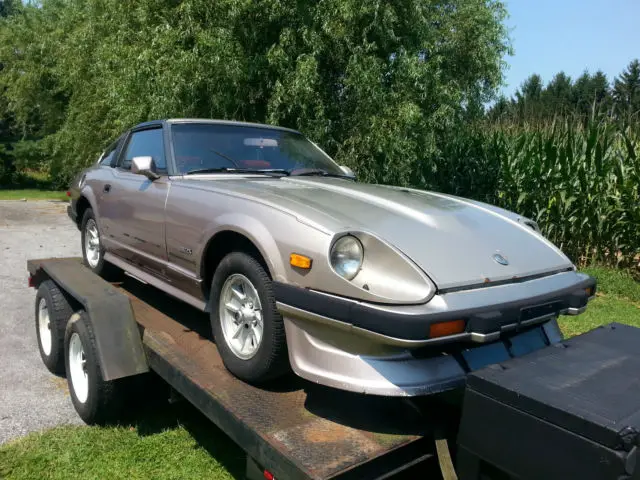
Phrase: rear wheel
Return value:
(93, 250)
(52, 313)
(97, 401)
(247, 327)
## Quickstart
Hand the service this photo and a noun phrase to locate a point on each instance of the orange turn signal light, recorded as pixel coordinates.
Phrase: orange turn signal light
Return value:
(589, 291)
(300, 261)
(443, 329)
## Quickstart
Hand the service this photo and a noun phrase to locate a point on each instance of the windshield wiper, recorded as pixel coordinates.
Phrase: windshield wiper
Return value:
(222, 155)
(317, 172)
(272, 171)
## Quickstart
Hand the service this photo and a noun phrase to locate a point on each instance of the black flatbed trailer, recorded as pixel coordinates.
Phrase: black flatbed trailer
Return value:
(571, 410)
(294, 429)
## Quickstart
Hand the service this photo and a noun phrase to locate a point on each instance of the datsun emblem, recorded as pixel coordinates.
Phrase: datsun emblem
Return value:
(500, 259)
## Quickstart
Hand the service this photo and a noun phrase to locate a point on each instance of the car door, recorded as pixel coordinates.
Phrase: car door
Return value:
(133, 205)
(101, 175)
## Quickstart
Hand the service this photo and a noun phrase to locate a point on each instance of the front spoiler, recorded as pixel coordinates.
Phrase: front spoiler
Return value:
(386, 350)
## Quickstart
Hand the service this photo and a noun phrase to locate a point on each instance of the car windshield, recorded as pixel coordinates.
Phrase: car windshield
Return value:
(201, 147)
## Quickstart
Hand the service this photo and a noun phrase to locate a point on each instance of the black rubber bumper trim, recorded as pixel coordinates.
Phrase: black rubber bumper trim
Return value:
(416, 327)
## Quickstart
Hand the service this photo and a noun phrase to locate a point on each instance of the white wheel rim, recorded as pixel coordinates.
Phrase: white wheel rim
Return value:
(92, 243)
(44, 327)
(240, 314)
(78, 368)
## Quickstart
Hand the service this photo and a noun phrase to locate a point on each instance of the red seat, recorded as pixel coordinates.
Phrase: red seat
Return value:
(255, 163)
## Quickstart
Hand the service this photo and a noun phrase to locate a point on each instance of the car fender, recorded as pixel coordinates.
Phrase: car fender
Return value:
(254, 230)
(87, 192)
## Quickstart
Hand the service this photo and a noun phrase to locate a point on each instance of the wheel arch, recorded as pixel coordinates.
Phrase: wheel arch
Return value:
(81, 207)
(245, 234)
(85, 200)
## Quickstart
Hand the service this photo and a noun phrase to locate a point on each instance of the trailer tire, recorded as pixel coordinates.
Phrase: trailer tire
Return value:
(52, 314)
(97, 401)
(270, 359)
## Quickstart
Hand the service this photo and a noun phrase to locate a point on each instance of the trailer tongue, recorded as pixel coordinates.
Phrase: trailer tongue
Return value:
(570, 410)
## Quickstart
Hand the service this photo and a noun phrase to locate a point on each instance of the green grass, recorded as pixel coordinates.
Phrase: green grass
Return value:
(172, 443)
(31, 185)
(32, 194)
(617, 300)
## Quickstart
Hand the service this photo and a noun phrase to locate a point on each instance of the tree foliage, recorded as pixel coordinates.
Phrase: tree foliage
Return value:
(626, 90)
(375, 82)
(8, 7)
(394, 89)
(588, 95)
(7, 168)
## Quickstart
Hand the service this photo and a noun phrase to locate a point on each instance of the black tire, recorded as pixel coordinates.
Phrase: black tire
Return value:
(105, 400)
(271, 360)
(59, 310)
(104, 269)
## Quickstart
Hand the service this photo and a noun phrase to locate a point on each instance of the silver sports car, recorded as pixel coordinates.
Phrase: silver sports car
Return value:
(369, 288)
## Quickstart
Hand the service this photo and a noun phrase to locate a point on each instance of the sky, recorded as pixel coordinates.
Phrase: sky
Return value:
(571, 35)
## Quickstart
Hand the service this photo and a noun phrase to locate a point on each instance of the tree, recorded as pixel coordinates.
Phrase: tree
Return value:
(581, 94)
(557, 95)
(527, 99)
(531, 89)
(375, 82)
(534, 101)
(7, 168)
(501, 110)
(8, 7)
(626, 90)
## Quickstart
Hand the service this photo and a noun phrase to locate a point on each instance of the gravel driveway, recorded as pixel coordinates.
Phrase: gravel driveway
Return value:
(31, 398)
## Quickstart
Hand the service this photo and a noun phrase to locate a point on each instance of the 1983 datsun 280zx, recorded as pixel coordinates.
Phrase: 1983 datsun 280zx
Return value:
(369, 288)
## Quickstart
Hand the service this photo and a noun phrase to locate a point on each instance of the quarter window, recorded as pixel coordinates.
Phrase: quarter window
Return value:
(146, 143)
(108, 155)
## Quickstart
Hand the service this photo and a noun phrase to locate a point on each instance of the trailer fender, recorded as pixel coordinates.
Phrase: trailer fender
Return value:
(117, 335)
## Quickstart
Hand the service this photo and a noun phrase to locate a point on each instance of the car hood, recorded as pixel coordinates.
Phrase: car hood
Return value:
(455, 241)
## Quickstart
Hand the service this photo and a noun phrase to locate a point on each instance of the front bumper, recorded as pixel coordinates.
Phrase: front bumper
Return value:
(386, 350)
(486, 311)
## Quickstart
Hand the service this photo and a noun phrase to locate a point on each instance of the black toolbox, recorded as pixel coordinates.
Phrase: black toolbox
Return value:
(571, 410)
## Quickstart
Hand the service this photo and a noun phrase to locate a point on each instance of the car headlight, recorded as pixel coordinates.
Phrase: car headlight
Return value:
(346, 256)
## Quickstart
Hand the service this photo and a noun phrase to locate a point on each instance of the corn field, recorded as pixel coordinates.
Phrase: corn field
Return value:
(580, 182)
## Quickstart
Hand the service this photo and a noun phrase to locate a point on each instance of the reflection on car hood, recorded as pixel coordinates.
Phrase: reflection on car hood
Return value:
(453, 240)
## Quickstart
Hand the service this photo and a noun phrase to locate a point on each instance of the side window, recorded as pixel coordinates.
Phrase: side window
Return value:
(108, 156)
(146, 143)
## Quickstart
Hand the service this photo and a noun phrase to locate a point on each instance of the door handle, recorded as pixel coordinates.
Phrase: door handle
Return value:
(106, 188)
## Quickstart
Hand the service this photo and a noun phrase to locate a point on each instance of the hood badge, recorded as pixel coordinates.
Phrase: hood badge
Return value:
(500, 259)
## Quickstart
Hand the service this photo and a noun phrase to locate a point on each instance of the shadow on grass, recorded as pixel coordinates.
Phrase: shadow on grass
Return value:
(156, 415)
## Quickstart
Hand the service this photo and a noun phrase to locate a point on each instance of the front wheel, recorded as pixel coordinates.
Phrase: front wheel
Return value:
(247, 327)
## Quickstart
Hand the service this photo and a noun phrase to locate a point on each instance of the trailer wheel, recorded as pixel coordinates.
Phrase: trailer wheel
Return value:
(96, 401)
(52, 314)
(247, 327)
(93, 250)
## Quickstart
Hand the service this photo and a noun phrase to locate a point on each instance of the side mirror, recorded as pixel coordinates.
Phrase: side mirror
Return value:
(144, 166)
(347, 171)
